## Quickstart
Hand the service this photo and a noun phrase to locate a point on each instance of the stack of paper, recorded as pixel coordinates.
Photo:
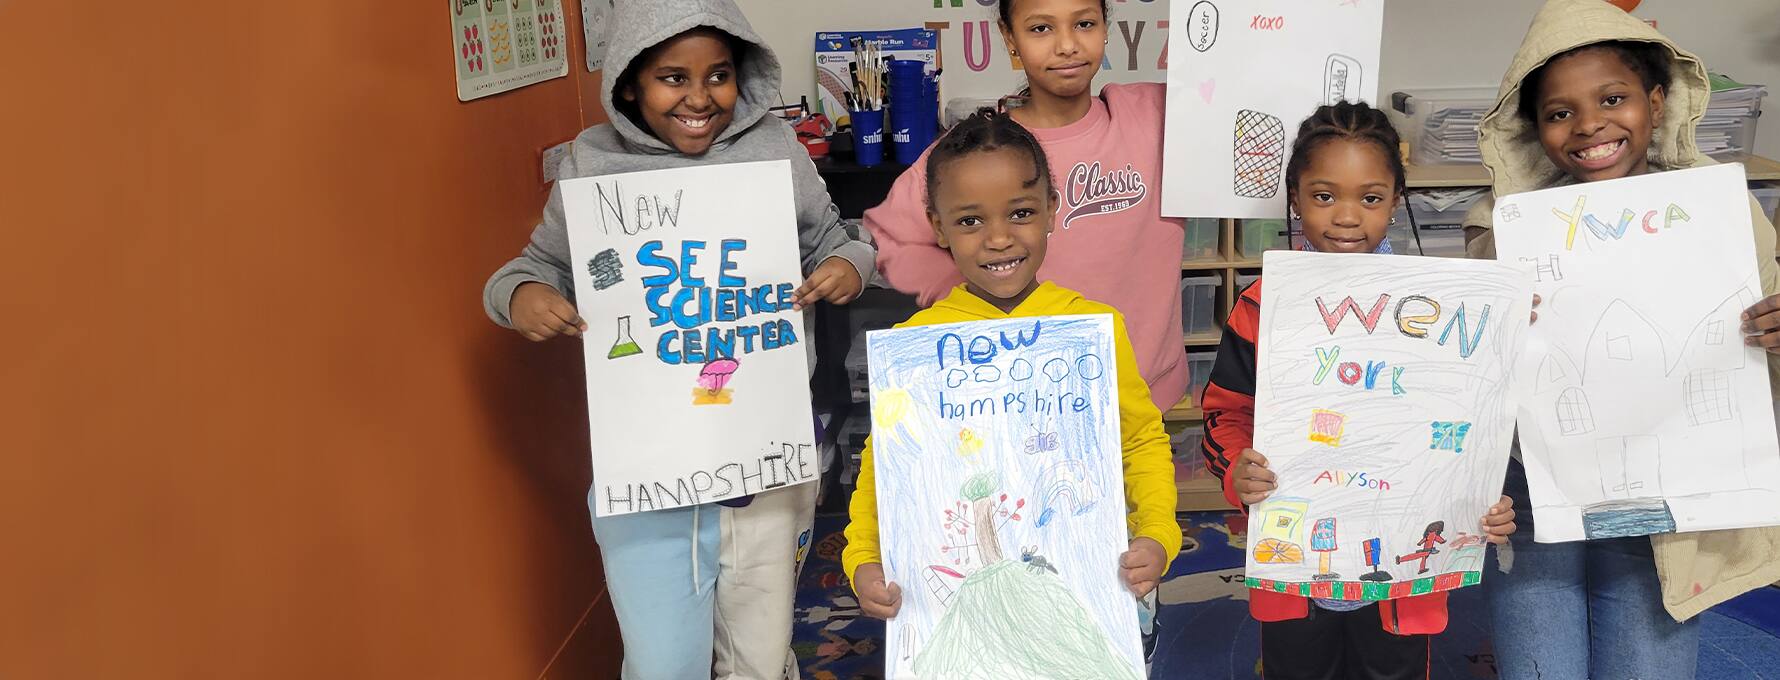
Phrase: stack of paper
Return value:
(1450, 135)
(1729, 125)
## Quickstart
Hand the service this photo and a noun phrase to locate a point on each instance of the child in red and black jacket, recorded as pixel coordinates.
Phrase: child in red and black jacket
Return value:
(1343, 183)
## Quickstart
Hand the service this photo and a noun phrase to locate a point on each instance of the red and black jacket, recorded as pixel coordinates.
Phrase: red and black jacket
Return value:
(1229, 405)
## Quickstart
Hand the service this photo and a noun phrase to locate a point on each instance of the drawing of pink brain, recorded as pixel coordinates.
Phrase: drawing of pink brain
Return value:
(1260, 154)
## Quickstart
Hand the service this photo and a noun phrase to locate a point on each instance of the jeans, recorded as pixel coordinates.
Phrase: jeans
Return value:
(1583, 609)
(706, 591)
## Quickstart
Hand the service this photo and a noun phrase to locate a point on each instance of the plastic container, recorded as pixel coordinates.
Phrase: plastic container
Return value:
(868, 137)
(1769, 198)
(1727, 139)
(1243, 281)
(1440, 123)
(1255, 236)
(1189, 461)
(1202, 239)
(1198, 303)
(1199, 374)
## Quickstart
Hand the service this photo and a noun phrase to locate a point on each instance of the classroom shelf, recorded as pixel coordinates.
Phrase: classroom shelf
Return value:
(1203, 265)
(1200, 495)
(1205, 339)
(1183, 412)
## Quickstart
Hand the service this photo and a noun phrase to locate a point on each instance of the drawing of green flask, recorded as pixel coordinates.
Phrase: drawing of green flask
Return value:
(624, 346)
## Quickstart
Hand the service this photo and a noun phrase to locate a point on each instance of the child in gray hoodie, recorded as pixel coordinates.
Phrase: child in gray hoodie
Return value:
(703, 590)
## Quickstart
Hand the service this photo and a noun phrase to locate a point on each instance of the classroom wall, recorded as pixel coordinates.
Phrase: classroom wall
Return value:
(1428, 43)
(254, 422)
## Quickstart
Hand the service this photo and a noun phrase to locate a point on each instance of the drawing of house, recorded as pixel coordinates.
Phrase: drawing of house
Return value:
(1626, 494)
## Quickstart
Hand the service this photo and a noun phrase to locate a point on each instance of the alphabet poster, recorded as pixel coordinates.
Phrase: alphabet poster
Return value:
(1644, 412)
(501, 45)
(1383, 403)
(1242, 74)
(1001, 499)
(697, 380)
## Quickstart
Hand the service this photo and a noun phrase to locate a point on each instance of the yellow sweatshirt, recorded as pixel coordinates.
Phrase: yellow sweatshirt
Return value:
(1149, 465)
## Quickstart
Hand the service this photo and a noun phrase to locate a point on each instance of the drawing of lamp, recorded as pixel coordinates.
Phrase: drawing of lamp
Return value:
(1373, 548)
(1322, 542)
(1279, 527)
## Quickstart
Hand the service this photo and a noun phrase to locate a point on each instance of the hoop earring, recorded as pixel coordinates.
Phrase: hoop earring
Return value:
(1293, 214)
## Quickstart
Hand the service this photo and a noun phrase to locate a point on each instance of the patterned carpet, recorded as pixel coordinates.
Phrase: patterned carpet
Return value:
(1205, 629)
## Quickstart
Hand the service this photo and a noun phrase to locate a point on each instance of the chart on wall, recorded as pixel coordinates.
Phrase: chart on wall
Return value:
(501, 45)
(1001, 503)
(1242, 75)
(1383, 402)
(1645, 413)
(697, 377)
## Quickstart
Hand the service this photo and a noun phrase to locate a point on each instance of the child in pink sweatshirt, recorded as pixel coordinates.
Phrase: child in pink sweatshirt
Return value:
(1111, 242)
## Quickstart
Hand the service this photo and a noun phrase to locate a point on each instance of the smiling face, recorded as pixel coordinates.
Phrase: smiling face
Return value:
(685, 89)
(1061, 43)
(994, 213)
(1345, 196)
(1595, 117)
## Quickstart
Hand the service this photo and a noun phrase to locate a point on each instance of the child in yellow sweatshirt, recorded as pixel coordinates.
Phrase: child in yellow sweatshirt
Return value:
(991, 202)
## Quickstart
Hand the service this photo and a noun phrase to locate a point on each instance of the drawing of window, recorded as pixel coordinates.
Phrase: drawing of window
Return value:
(1574, 416)
(1708, 396)
(1629, 467)
(1715, 333)
(1619, 347)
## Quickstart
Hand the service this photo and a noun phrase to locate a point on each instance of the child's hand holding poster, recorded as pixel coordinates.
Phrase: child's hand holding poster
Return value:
(1643, 411)
(697, 378)
(1002, 503)
(1383, 405)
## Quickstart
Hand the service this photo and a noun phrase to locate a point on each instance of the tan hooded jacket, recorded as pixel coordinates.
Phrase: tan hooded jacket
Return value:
(1698, 569)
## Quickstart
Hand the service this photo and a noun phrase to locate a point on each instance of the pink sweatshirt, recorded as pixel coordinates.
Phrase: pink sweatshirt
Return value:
(1111, 242)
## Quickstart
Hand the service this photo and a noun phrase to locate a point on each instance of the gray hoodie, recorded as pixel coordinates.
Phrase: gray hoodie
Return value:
(620, 146)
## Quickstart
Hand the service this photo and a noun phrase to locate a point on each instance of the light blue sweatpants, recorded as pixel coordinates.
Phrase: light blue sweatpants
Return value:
(706, 591)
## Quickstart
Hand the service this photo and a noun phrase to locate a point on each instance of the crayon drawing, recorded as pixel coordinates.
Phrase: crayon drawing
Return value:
(698, 390)
(1249, 72)
(1643, 413)
(1383, 404)
(997, 453)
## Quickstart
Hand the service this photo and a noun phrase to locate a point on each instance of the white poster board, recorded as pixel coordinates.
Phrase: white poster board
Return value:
(1383, 404)
(1242, 74)
(1644, 411)
(500, 45)
(697, 380)
(1001, 503)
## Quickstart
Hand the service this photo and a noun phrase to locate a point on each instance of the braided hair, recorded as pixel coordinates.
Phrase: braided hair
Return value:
(986, 130)
(1356, 122)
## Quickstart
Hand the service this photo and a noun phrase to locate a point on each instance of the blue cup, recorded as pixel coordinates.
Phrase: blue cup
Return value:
(868, 136)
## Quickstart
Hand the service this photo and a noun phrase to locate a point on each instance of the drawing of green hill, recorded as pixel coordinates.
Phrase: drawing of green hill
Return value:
(1011, 620)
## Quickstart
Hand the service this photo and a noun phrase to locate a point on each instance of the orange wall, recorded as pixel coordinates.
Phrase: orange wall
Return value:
(255, 423)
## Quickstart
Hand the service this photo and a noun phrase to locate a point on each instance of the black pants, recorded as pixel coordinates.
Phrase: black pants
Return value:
(1340, 646)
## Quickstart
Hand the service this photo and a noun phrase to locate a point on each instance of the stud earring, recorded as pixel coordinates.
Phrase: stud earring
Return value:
(1393, 221)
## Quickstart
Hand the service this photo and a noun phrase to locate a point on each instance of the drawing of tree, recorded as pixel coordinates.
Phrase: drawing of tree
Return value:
(984, 506)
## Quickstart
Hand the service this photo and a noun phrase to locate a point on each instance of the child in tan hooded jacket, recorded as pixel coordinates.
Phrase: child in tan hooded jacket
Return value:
(1596, 94)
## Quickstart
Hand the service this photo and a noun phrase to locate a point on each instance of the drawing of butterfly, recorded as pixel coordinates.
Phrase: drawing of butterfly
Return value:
(1041, 442)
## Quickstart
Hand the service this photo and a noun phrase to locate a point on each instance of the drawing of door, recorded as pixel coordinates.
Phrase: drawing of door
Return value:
(1630, 467)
